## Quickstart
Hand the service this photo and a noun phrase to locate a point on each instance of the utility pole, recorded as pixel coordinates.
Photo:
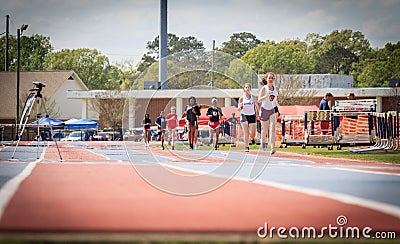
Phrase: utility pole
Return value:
(19, 33)
(212, 65)
(7, 42)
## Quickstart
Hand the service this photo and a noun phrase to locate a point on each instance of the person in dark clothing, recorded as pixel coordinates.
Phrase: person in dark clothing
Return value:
(214, 113)
(351, 96)
(324, 105)
(146, 129)
(192, 112)
(161, 123)
(233, 121)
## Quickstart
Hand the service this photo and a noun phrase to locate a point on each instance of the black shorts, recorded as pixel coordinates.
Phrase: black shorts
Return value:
(193, 123)
(251, 119)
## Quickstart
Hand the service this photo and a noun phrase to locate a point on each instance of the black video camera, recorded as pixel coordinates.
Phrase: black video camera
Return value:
(39, 86)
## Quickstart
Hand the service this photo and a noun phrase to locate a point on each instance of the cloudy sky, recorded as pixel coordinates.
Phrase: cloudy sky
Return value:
(120, 29)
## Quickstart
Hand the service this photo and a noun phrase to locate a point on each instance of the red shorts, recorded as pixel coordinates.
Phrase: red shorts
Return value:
(213, 125)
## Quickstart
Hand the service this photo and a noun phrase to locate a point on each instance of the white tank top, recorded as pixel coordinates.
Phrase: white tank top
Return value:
(266, 103)
(248, 105)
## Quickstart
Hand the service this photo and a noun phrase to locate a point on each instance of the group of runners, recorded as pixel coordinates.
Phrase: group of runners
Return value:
(250, 111)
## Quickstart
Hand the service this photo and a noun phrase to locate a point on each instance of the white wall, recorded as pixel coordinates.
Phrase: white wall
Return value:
(70, 108)
(317, 81)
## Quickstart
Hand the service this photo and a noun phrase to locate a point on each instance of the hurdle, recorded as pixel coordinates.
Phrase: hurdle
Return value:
(311, 136)
(386, 125)
(393, 128)
(352, 122)
(397, 131)
(294, 134)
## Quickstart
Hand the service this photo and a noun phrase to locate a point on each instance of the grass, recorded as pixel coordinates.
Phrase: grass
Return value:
(388, 157)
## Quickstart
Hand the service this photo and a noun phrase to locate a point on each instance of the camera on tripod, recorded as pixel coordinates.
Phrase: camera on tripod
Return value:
(39, 86)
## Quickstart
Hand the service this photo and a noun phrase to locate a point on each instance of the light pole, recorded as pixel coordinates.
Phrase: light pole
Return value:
(19, 33)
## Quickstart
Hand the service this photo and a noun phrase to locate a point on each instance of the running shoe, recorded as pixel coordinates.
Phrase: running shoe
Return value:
(247, 149)
(272, 151)
(263, 146)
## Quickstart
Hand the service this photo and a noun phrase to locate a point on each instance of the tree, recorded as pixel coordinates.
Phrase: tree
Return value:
(34, 50)
(340, 50)
(175, 45)
(291, 91)
(127, 75)
(377, 71)
(240, 43)
(93, 68)
(240, 73)
(288, 56)
(110, 107)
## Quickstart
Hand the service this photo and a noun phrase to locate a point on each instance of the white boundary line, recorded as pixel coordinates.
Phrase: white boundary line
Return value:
(340, 197)
(287, 162)
(96, 153)
(367, 171)
(11, 186)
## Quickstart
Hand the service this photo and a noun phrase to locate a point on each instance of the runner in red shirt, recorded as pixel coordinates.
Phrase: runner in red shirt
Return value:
(172, 122)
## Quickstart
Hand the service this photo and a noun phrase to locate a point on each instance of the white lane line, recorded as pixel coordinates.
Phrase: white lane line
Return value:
(340, 197)
(289, 162)
(367, 171)
(11, 186)
(96, 153)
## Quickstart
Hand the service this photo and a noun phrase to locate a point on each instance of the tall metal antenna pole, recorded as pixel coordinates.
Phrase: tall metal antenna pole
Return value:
(163, 48)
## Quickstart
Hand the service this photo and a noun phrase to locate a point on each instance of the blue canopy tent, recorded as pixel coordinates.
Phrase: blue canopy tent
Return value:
(45, 122)
(81, 124)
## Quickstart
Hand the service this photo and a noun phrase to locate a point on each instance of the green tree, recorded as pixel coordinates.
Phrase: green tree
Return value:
(127, 75)
(377, 71)
(34, 50)
(240, 43)
(92, 67)
(289, 56)
(176, 44)
(340, 50)
(239, 73)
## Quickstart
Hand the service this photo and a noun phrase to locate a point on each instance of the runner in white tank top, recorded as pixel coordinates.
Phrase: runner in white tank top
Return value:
(248, 108)
(268, 97)
(248, 105)
(267, 103)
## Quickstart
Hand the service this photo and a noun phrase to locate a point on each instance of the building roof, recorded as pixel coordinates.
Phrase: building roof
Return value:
(8, 87)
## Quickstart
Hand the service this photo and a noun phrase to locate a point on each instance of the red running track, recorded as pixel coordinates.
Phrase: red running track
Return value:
(60, 197)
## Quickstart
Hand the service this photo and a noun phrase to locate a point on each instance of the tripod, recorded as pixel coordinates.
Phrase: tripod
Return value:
(35, 96)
